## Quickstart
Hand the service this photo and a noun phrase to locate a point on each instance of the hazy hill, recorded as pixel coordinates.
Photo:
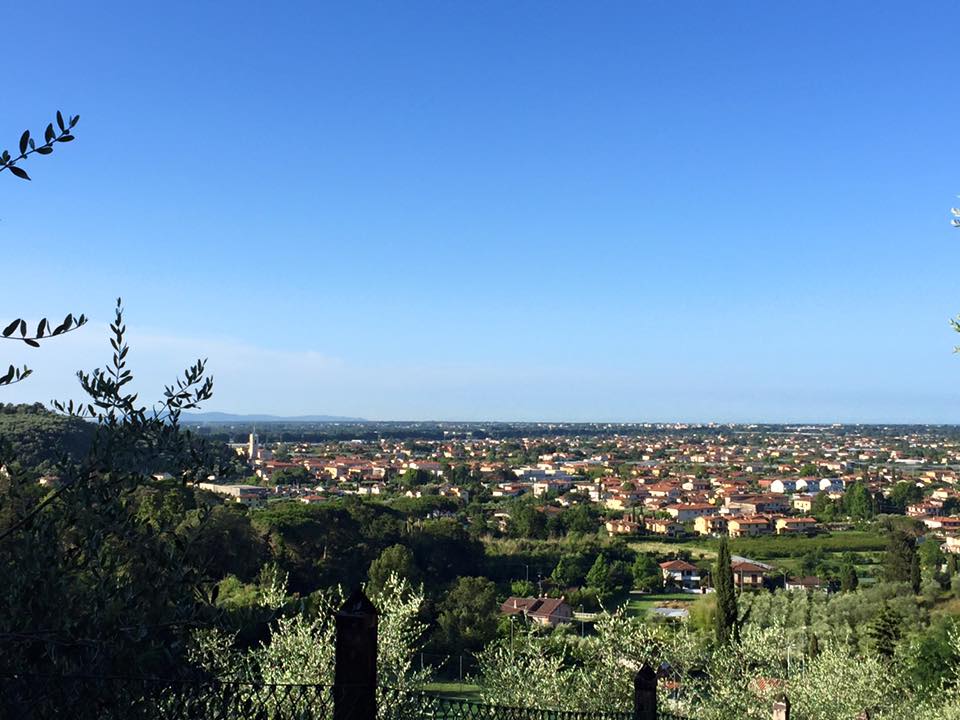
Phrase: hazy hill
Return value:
(220, 417)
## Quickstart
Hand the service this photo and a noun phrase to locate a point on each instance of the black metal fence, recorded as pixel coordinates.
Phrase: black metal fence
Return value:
(24, 697)
(441, 708)
(427, 705)
(354, 695)
(27, 697)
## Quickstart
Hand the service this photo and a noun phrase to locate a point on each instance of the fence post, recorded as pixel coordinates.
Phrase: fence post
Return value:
(781, 709)
(645, 694)
(355, 658)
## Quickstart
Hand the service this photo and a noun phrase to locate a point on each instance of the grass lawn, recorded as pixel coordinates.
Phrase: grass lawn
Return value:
(464, 691)
(662, 548)
(639, 603)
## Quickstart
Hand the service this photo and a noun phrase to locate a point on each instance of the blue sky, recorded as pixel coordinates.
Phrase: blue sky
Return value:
(558, 211)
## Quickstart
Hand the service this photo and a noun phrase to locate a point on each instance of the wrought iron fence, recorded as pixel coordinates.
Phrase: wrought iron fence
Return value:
(95, 698)
(27, 697)
(436, 707)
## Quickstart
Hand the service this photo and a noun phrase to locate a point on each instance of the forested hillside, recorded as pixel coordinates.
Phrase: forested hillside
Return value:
(38, 439)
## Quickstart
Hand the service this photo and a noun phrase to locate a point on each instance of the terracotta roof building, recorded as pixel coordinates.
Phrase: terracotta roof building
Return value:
(543, 611)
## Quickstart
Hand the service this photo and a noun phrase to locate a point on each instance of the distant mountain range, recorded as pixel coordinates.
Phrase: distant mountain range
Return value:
(220, 417)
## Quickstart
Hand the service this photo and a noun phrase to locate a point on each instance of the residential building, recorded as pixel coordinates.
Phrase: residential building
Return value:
(680, 573)
(543, 611)
(805, 583)
(685, 512)
(748, 526)
(626, 526)
(710, 525)
(747, 576)
(669, 528)
(795, 525)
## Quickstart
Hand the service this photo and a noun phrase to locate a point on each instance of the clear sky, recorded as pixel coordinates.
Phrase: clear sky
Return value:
(496, 210)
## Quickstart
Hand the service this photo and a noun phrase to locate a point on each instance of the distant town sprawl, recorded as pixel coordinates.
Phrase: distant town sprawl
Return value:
(671, 481)
(522, 564)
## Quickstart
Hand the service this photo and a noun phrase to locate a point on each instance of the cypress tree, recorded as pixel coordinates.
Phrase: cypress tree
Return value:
(848, 578)
(951, 565)
(884, 632)
(813, 647)
(726, 616)
(599, 577)
(901, 560)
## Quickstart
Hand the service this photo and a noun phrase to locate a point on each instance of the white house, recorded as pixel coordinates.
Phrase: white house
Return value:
(783, 486)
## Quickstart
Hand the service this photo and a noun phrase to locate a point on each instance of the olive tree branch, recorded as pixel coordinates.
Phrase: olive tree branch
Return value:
(28, 145)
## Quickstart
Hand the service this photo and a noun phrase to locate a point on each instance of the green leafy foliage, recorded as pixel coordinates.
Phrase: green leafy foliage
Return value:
(884, 632)
(527, 522)
(646, 573)
(100, 578)
(299, 646)
(468, 615)
(291, 476)
(39, 439)
(396, 560)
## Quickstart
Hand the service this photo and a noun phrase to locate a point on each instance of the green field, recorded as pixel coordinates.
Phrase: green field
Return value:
(780, 546)
(463, 691)
(786, 553)
(695, 546)
(640, 604)
(776, 549)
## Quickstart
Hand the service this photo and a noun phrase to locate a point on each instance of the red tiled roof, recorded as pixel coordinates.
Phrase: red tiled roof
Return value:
(677, 565)
(547, 607)
(535, 607)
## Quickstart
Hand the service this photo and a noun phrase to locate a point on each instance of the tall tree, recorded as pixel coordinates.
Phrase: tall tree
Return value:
(567, 572)
(396, 560)
(931, 556)
(646, 573)
(848, 578)
(884, 632)
(528, 523)
(468, 615)
(857, 502)
(96, 581)
(903, 494)
(726, 617)
(823, 508)
(902, 564)
(599, 576)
